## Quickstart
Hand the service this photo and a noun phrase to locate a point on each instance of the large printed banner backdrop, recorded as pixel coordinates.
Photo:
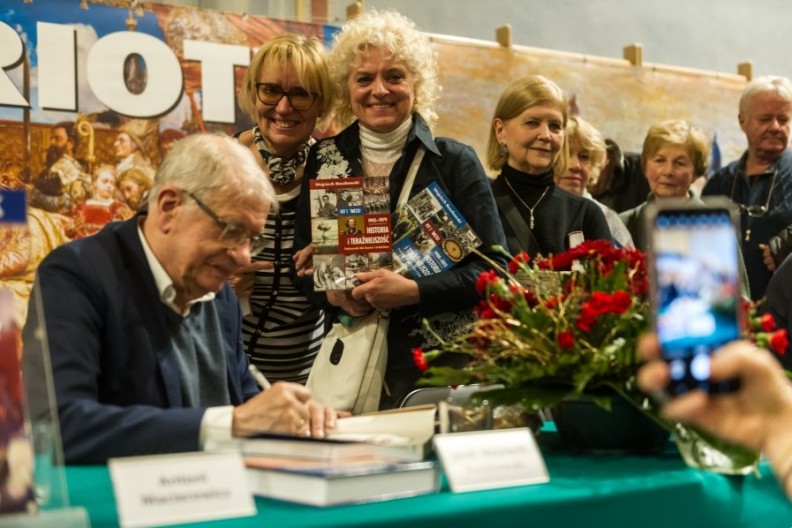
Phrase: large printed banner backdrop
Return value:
(134, 81)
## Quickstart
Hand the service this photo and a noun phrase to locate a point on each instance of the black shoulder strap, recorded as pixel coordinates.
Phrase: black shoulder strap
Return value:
(517, 224)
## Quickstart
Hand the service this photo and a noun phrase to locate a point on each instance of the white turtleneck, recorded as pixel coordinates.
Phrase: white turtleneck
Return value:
(384, 148)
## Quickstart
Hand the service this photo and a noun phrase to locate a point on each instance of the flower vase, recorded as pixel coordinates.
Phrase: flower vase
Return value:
(583, 425)
(702, 452)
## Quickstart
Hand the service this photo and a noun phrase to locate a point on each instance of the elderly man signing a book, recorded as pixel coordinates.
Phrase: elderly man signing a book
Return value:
(144, 331)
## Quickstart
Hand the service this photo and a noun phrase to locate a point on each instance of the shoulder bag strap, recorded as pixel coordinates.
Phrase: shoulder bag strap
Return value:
(517, 223)
(410, 179)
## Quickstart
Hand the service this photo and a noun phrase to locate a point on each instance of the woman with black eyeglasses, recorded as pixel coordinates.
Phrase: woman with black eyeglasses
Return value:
(674, 154)
(285, 92)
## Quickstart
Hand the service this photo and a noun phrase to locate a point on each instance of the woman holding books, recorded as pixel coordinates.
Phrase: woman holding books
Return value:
(286, 91)
(527, 144)
(386, 73)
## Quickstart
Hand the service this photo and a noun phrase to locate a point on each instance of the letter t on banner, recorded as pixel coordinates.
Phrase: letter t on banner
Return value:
(217, 76)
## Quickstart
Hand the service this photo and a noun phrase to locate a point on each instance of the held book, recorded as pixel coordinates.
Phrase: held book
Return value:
(353, 231)
(430, 235)
(350, 228)
(354, 481)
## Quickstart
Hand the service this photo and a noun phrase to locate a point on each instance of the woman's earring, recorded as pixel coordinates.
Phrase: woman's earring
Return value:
(504, 151)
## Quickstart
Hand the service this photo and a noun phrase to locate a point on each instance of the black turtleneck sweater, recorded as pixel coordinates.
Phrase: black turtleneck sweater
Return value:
(558, 214)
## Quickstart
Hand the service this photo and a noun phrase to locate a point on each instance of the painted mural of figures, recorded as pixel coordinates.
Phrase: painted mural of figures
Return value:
(103, 207)
(133, 185)
(63, 183)
(133, 146)
(22, 248)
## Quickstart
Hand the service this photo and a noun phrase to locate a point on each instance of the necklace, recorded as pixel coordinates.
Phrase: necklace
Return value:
(530, 209)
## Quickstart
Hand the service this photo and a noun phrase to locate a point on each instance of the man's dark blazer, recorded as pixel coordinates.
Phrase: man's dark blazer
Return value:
(116, 378)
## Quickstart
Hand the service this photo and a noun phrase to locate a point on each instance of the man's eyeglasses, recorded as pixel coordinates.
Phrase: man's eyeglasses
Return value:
(271, 94)
(231, 234)
(756, 210)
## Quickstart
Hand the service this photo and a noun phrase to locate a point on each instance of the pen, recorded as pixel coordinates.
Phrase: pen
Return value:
(260, 378)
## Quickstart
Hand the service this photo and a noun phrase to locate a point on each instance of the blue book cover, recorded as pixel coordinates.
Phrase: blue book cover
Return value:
(430, 235)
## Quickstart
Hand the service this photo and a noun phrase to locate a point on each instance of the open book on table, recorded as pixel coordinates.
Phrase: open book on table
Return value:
(399, 434)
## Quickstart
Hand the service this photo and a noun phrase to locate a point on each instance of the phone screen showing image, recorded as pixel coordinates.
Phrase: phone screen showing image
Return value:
(696, 292)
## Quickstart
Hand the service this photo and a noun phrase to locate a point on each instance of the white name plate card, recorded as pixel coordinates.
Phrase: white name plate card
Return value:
(481, 460)
(180, 488)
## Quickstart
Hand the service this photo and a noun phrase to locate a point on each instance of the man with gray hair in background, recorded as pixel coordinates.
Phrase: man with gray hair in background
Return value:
(760, 182)
(144, 331)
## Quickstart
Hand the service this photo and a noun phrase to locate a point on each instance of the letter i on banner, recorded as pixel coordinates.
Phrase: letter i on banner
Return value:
(17, 491)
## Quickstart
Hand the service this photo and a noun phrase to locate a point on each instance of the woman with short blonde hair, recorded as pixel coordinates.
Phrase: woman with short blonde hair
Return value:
(674, 154)
(287, 92)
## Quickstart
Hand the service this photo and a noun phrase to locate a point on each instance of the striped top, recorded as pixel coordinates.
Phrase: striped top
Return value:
(283, 333)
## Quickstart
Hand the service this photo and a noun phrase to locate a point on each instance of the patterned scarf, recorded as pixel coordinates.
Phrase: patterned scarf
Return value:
(282, 170)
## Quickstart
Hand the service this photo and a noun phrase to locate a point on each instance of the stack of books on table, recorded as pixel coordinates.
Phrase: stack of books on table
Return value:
(340, 481)
(368, 457)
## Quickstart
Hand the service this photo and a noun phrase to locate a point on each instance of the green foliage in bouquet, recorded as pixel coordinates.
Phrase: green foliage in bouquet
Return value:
(568, 324)
(555, 327)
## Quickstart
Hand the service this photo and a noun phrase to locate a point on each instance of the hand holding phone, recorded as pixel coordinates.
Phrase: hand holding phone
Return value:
(694, 269)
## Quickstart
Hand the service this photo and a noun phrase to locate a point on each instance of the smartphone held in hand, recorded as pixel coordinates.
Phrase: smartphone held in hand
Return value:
(695, 274)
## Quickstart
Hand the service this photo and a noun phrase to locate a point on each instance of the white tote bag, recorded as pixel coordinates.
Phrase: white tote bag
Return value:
(350, 367)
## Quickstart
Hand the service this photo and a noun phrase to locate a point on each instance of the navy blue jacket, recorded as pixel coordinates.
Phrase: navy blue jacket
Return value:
(117, 383)
(732, 182)
(447, 296)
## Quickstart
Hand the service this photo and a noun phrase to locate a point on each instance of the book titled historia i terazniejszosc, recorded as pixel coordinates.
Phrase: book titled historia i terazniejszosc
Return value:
(353, 231)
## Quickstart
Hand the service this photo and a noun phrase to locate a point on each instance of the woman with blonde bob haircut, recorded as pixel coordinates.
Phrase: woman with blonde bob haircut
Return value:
(587, 156)
(527, 145)
(674, 154)
(286, 91)
(385, 71)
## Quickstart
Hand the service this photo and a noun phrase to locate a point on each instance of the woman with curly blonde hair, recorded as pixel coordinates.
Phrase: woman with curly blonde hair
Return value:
(385, 72)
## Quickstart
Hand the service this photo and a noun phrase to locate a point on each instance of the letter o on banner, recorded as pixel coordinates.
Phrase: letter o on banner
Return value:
(106, 74)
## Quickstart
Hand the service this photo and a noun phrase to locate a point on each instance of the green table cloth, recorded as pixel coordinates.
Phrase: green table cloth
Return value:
(585, 490)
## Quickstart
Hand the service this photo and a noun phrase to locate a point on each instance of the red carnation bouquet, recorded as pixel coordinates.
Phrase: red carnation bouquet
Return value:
(562, 326)
(553, 327)
(558, 326)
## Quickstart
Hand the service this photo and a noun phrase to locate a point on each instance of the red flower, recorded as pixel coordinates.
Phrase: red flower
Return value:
(553, 301)
(485, 279)
(419, 359)
(767, 322)
(520, 258)
(779, 341)
(504, 305)
(566, 339)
